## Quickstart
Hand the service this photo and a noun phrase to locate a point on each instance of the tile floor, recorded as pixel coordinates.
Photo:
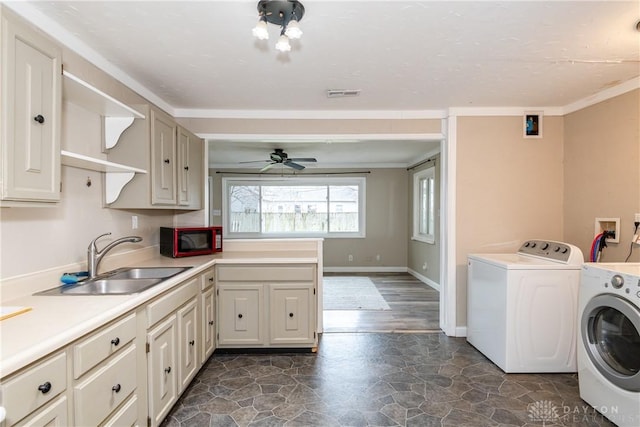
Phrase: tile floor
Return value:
(377, 379)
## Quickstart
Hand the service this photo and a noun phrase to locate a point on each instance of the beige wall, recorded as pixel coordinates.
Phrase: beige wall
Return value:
(386, 223)
(602, 172)
(421, 253)
(36, 239)
(509, 189)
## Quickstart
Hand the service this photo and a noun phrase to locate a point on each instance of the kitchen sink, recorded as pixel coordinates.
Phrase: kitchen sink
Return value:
(122, 281)
(145, 272)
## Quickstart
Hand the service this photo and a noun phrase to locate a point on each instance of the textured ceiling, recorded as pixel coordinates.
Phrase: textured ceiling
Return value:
(198, 58)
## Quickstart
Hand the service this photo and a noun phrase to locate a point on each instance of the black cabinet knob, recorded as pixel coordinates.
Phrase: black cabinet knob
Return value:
(168, 370)
(116, 388)
(45, 388)
(239, 316)
(115, 341)
(192, 342)
(167, 161)
(39, 118)
(290, 314)
(186, 168)
(211, 322)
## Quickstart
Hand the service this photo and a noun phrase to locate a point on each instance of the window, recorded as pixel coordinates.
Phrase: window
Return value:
(424, 206)
(303, 206)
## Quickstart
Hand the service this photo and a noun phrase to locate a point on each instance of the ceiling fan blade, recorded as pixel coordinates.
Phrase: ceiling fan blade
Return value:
(256, 161)
(294, 165)
(269, 166)
(304, 159)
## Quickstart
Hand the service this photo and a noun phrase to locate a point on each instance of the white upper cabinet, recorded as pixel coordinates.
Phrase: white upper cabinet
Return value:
(29, 116)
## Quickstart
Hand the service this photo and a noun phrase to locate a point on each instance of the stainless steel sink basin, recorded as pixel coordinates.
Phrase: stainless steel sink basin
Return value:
(122, 281)
(145, 272)
(110, 287)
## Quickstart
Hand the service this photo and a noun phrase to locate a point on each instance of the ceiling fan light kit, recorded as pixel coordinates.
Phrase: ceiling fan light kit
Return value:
(284, 13)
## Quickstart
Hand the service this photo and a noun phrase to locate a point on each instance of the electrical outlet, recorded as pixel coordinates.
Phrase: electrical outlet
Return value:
(637, 217)
(134, 222)
(378, 257)
(350, 258)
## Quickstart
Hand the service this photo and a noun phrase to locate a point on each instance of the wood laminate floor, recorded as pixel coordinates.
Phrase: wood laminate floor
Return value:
(414, 307)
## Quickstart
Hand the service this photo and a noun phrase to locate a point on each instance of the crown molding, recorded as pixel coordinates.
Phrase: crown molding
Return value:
(609, 93)
(311, 114)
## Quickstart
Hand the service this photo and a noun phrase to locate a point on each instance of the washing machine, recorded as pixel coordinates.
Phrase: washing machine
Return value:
(522, 307)
(609, 340)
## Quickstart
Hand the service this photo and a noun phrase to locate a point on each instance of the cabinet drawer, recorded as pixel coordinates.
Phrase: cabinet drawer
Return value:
(52, 415)
(256, 273)
(126, 416)
(38, 385)
(165, 305)
(103, 344)
(107, 388)
(208, 279)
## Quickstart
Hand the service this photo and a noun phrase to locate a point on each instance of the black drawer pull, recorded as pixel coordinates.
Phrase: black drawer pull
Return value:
(116, 388)
(39, 118)
(115, 341)
(168, 370)
(290, 314)
(45, 388)
(211, 279)
(192, 342)
(239, 316)
(167, 161)
(211, 322)
(186, 168)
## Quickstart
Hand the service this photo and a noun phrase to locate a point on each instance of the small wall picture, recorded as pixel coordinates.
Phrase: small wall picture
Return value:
(533, 125)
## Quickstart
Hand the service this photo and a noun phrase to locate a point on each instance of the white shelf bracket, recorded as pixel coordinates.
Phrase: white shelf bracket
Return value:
(113, 128)
(114, 183)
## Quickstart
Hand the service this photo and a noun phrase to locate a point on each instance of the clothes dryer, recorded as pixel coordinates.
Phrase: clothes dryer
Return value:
(609, 340)
(522, 307)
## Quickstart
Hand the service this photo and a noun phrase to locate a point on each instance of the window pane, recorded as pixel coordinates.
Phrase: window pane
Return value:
(244, 208)
(423, 221)
(288, 209)
(343, 208)
(431, 208)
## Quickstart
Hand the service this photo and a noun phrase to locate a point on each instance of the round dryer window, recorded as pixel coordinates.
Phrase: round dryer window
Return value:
(610, 329)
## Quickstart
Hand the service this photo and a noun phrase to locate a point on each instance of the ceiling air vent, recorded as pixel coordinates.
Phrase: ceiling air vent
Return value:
(342, 93)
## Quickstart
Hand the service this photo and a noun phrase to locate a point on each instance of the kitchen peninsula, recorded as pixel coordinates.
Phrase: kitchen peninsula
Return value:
(89, 360)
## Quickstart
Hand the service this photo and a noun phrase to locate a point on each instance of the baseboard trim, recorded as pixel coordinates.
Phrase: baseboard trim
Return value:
(424, 279)
(372, 269)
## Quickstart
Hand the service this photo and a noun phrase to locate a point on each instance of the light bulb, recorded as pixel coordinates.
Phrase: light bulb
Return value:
(260, 30)
(283, 44)
(293, 30)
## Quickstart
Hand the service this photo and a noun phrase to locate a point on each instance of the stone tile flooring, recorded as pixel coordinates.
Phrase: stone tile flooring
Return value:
(377, 379)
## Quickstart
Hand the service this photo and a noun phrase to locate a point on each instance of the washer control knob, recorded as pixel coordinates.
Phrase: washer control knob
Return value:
(617, 281)
(565, 250)
(533, 244)
(545, 246)
(556, 249)
(638, 294)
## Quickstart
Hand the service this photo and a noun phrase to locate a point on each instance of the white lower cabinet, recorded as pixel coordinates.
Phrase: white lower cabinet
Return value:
(52, 415)
(266, 306)
(172, 343)
(32, 392)
(187, 351)
(208, 313)
(161, 369)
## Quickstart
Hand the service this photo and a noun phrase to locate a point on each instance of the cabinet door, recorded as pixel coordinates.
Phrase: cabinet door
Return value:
(208, 324)
(31, 100)
(187, 348)
(292, 313)
(190, 175)
(163, 159)
(162, 369)
(240, 314)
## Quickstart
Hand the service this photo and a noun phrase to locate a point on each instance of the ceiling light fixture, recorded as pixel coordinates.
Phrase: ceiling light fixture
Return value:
(284, 13)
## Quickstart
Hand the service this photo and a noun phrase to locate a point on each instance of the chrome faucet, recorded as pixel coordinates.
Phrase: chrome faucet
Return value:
(94, 256)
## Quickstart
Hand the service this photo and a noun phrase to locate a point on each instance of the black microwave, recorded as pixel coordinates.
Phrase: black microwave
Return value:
(179, 242)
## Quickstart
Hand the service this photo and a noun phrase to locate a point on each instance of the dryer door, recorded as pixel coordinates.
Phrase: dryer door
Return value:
(610, 328)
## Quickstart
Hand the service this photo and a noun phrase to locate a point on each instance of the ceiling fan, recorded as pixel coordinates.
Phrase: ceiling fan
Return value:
(279, 157)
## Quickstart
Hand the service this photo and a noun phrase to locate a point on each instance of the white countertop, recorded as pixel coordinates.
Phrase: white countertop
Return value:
(55, 321)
